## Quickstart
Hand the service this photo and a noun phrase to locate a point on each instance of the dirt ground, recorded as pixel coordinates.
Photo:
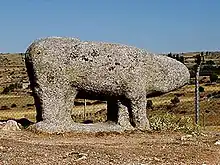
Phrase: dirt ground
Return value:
(138, 148)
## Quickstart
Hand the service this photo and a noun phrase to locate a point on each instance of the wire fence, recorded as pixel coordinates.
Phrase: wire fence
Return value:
(16, 100)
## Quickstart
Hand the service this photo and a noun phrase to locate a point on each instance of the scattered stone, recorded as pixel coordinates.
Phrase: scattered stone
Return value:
(11, 125)
(203, 134)
(78, 156)
(186, 137)
(2, 124)
(83, 154)
(81, 158)
(217, 142)
(157, 159)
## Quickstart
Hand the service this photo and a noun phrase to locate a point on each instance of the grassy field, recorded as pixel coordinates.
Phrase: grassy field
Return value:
(157, 147)
(210, 109)
(25, 108)
(19, 104)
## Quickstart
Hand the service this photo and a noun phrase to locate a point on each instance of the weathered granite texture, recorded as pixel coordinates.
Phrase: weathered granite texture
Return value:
(60, 68)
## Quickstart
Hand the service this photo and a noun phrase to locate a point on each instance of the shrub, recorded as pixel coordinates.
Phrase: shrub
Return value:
(214, 93)
(209, 95)
(213, 77)
(11, 88)
(179, 94)
(13, 105)
(4, 107)
(30, 105)
(210, 62)
(6, 90)
(201, 89)
(175, 100)
(149, 104)
(167, 121)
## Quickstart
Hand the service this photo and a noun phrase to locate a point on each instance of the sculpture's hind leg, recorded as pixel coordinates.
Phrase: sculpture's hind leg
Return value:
(118, 113)
(123, 116)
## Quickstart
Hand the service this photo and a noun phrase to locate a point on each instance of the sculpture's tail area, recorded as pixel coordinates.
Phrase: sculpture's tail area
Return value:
(33, 83)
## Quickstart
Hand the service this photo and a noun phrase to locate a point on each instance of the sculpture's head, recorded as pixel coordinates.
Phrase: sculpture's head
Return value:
(169, 75)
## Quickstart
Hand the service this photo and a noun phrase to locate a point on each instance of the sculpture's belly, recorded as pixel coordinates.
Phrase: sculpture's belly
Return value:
(101, 79)
(99, 84)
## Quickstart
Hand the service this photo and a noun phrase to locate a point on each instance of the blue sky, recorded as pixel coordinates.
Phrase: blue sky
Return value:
(155, 25)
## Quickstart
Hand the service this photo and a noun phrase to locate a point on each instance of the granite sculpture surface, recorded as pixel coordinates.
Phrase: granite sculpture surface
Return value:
(61, 68)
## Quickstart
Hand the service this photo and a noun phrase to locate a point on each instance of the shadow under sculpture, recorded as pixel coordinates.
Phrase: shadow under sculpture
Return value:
(60, 69)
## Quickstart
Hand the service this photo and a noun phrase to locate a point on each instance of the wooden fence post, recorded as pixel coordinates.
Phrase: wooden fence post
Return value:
(84, 112)
(197, 95)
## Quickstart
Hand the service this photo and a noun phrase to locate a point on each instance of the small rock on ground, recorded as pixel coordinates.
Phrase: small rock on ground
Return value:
(11, 125)
(217, 142)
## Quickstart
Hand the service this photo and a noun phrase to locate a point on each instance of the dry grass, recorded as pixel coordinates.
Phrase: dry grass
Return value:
(210, 110)
(168, 121)
(20, 101)
(15, 114)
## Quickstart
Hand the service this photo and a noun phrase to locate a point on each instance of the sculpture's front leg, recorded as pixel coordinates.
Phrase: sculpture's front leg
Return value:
(56, 103)
(137, 103)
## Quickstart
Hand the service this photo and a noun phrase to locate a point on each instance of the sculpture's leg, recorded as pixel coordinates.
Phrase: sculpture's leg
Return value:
(118, 113)
(138, 111)
(123, 117)
(57, 103)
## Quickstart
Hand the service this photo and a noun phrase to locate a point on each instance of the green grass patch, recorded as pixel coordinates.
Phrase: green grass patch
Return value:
(171, 122)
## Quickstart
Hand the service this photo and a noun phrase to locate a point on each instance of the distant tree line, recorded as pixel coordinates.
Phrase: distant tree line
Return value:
(178, 57)
(208, 68)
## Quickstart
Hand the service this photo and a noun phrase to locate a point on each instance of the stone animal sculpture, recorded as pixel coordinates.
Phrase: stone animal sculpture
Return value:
(59, 69)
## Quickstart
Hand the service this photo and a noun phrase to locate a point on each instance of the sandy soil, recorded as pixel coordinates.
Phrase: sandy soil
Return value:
(25, 147)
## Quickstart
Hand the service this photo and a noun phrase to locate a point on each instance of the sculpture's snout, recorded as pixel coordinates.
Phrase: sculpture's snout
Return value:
(172, 74)
(178, 75)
